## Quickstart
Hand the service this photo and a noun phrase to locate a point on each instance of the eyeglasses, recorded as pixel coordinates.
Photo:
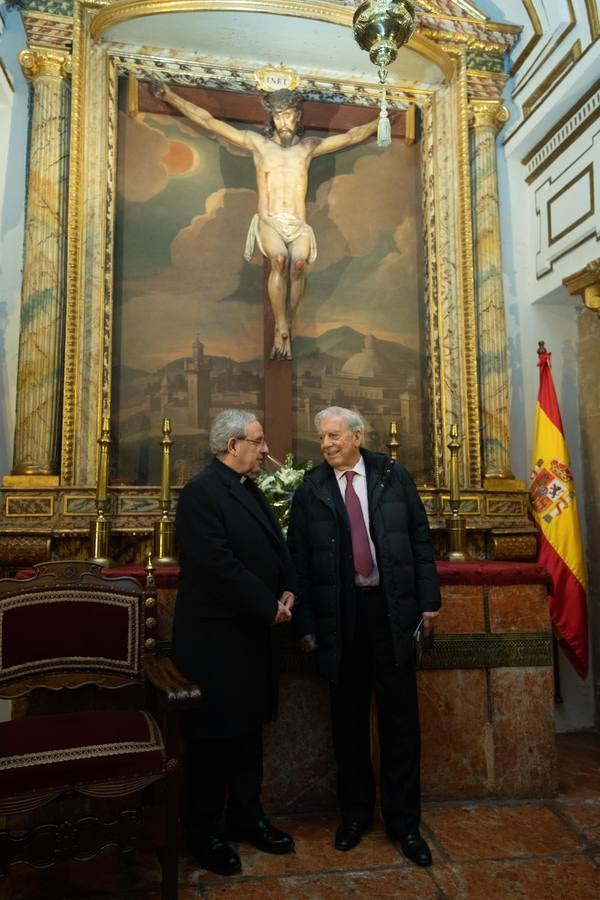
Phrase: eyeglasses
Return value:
(259, 442)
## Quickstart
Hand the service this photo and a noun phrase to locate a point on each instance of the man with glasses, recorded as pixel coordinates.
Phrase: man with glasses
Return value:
(236, 583)
(367, 581)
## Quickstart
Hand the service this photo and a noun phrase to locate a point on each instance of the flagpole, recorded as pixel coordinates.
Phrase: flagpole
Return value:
(541, 350)
(553, 508)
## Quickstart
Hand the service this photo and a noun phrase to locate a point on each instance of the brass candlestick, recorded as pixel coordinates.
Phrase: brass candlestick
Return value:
(455, 524)
(393, 443)
(100, 526)
(164, 530)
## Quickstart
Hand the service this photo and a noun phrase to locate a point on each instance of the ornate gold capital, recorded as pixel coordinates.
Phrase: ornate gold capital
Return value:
(42, 63)
(586, 283)
(487, 114)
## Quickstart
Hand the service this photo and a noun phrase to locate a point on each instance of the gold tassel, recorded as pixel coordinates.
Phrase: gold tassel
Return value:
(384, 128)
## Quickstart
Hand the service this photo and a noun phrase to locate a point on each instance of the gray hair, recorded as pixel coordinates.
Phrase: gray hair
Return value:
(352, 420)
(230, 423)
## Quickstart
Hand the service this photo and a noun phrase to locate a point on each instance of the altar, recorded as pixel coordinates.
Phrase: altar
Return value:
(486, 695)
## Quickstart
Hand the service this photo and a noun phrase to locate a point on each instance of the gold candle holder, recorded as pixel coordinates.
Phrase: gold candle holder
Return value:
(164, 530)
(393, 443)
(100, 526)
(455, 524)
(150, 608)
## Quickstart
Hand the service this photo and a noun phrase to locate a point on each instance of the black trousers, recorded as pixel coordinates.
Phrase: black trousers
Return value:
(368, 665)
(223, 775)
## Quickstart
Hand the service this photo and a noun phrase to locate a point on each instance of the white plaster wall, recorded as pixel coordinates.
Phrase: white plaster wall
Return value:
(542, 309)
(14, 101)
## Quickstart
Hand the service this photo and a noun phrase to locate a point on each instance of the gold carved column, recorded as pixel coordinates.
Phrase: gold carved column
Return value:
(41, 343)
(486, 118)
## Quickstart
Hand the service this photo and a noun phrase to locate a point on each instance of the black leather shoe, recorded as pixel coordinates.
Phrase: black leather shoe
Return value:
(215, 854)
(415, 848)
(263, 836)
(348, 834)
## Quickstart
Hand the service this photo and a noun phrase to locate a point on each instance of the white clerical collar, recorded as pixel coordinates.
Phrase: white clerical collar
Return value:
(359, 468)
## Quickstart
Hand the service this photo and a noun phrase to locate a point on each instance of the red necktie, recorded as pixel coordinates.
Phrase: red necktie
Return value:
(363, 560)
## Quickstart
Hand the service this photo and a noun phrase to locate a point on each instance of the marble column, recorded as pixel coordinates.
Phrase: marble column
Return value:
(41, 341)
(486, 118)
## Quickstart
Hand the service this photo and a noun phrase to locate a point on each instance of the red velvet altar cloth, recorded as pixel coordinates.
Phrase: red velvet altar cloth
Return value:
(468, 572)
(484, 571)
(487, 571)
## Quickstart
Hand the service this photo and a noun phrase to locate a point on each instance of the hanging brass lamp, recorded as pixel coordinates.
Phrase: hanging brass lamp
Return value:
(381, 27)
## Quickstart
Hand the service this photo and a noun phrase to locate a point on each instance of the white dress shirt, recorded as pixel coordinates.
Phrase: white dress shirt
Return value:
(359, 483)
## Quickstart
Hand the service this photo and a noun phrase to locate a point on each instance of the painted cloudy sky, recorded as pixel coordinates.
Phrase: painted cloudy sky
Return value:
(185, 203)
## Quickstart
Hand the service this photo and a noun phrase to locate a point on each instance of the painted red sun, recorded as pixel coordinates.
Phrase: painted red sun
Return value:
(179, 158)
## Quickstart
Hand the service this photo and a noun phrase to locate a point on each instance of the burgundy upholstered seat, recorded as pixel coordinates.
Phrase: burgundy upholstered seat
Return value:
(80, 749)
(68, 627)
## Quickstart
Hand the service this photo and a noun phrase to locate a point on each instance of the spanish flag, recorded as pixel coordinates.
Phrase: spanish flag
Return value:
(554, 510)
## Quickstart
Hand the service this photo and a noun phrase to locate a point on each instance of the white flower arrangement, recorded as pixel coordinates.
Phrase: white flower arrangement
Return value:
(278, 487)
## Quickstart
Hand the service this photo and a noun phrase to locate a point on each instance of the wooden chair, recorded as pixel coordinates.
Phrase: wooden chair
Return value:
(65, 627)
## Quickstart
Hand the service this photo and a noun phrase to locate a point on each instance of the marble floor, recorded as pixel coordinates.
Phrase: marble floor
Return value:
(546, 849)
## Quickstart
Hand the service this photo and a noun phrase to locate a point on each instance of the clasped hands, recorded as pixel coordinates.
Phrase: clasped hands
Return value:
(284, 608)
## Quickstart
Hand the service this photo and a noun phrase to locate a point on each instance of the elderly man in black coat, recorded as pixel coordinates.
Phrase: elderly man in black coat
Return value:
(236, 584)
(367, 581)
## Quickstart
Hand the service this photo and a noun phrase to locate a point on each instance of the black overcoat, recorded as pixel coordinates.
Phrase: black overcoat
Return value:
(234, 565)
(321, 546)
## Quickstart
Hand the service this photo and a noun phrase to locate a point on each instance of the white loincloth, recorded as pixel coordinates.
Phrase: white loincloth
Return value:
(289, 229)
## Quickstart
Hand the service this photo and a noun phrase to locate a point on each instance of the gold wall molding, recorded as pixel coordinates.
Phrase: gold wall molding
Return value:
(549, 50)
(71, 426)
(562, 134)
(587, 175)
(30, 481)
(591, 7)
(534, 39)
(586, 283)
(152, 64)
(40, 62)
(450, 320)
(547, 85)
(472, 431)
(29, 505)
(332, 13)
(460, 39)
(567, 209)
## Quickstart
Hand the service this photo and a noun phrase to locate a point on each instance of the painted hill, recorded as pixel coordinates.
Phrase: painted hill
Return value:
(344, 342)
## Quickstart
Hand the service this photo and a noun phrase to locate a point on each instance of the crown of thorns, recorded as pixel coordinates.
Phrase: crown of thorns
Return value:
(278, 101)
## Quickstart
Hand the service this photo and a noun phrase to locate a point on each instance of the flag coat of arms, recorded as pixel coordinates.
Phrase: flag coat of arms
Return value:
(554, 510)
